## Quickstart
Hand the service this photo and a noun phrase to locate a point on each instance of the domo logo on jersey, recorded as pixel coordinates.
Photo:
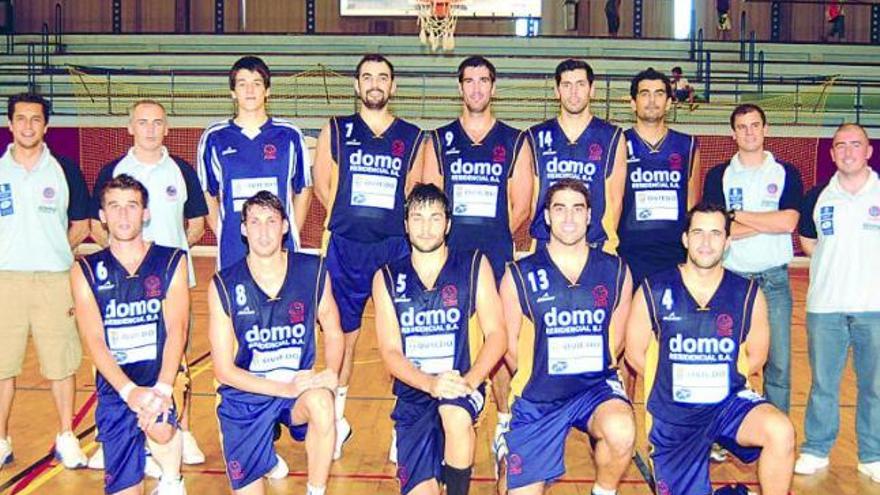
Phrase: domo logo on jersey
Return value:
(680, 344)
(667, 178)
(129, 309)
(432, 317)
(461, 167)
(556, 167)
(369, 160)
(279, 333)
(556, 318)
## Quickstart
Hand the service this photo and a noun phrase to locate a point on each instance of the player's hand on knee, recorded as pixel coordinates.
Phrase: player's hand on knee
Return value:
(449, 385)
(302, 381)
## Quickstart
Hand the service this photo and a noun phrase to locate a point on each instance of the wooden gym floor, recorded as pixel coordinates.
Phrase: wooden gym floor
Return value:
(364, 467)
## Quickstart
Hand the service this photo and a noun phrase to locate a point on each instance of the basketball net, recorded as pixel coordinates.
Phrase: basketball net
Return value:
(437, 20)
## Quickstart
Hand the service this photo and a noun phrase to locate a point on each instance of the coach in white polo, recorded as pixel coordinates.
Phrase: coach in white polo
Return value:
(177, 219)
(43, 208)
(840, 230)
(763, 195)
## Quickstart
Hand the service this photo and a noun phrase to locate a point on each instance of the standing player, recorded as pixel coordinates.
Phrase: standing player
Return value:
(264, 312)
(249, 153)
(43, 216)
(132, 304)
(579, 145)
(482, 164)
(365, 164)
(696, 332)
(575, 299)
(440, 332)
(177, 219)
(763, 195)
(661, 180)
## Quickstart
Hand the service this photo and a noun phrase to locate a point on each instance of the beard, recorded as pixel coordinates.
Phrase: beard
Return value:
(430, 248)
(374, 104)
(707, 264)
(477, 109)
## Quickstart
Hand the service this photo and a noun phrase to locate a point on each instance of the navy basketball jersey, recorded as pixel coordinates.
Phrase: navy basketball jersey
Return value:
(655, 200)
(438, 326)
(131, 310)
(475, 179)
(369, 180)
(275, 336)
(589, 159)
(565, 339)
(696, 352)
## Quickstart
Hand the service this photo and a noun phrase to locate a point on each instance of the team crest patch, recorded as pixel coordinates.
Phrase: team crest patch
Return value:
(49, 193)
(171, 192)
(514, 464)
(296, 312)
(449, 295)
(153, 286)
(874, 211)
(724, 324)
(235, 471)
(499, 154)
(600, 296)
(270, 152)
(398, 149)
(595, 152)
(772, 188)
(663, 488)
(402, 474)
(675, 161)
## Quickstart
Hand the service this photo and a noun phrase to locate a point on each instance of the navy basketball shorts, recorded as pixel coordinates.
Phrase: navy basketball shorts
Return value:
(680, 453)
(247, 434)
(420, 437)
(351, 265)
(123, 442)
(536, 440)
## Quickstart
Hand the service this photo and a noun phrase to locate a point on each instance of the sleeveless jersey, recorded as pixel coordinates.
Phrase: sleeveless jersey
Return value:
(367, 195)
(696, 352)
(475, 179)
(589, 159)
(438, 327)
(131, 310)
(275, 337)
(655, 200)
(565, 341)
(233, 167)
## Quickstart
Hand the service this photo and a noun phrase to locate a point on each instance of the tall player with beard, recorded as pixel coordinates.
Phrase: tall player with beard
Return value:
(697, 332)
(440, 332)
(482, 164)
(578, 145)
(565, 307)
(132, 305)
(365, 164)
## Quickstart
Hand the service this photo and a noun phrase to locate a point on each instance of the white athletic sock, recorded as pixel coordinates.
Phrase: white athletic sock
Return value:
(341, 394)
(313, 490)
(504, 418)
(168, 455)
(598, 490)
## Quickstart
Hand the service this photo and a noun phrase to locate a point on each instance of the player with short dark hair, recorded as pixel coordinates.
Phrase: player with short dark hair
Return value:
(697, 332)
(365, 164)
(265, 312)
(132, 304)
(565, 307)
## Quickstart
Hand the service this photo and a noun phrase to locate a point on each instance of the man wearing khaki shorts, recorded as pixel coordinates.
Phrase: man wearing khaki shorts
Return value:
(43, 215)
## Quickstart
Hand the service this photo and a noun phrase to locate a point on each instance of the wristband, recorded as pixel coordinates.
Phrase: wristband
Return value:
(125, 391)
(163, 389)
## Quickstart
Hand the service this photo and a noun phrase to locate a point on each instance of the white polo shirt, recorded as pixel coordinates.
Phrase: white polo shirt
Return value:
(175, 195)
(35, 207)
(845, 266)
(771, 186)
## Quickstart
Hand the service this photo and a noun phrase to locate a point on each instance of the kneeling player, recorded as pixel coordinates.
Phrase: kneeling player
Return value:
(575, 299)
(264, 310)
(685, 333)
(440, 332)
(132, 305)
